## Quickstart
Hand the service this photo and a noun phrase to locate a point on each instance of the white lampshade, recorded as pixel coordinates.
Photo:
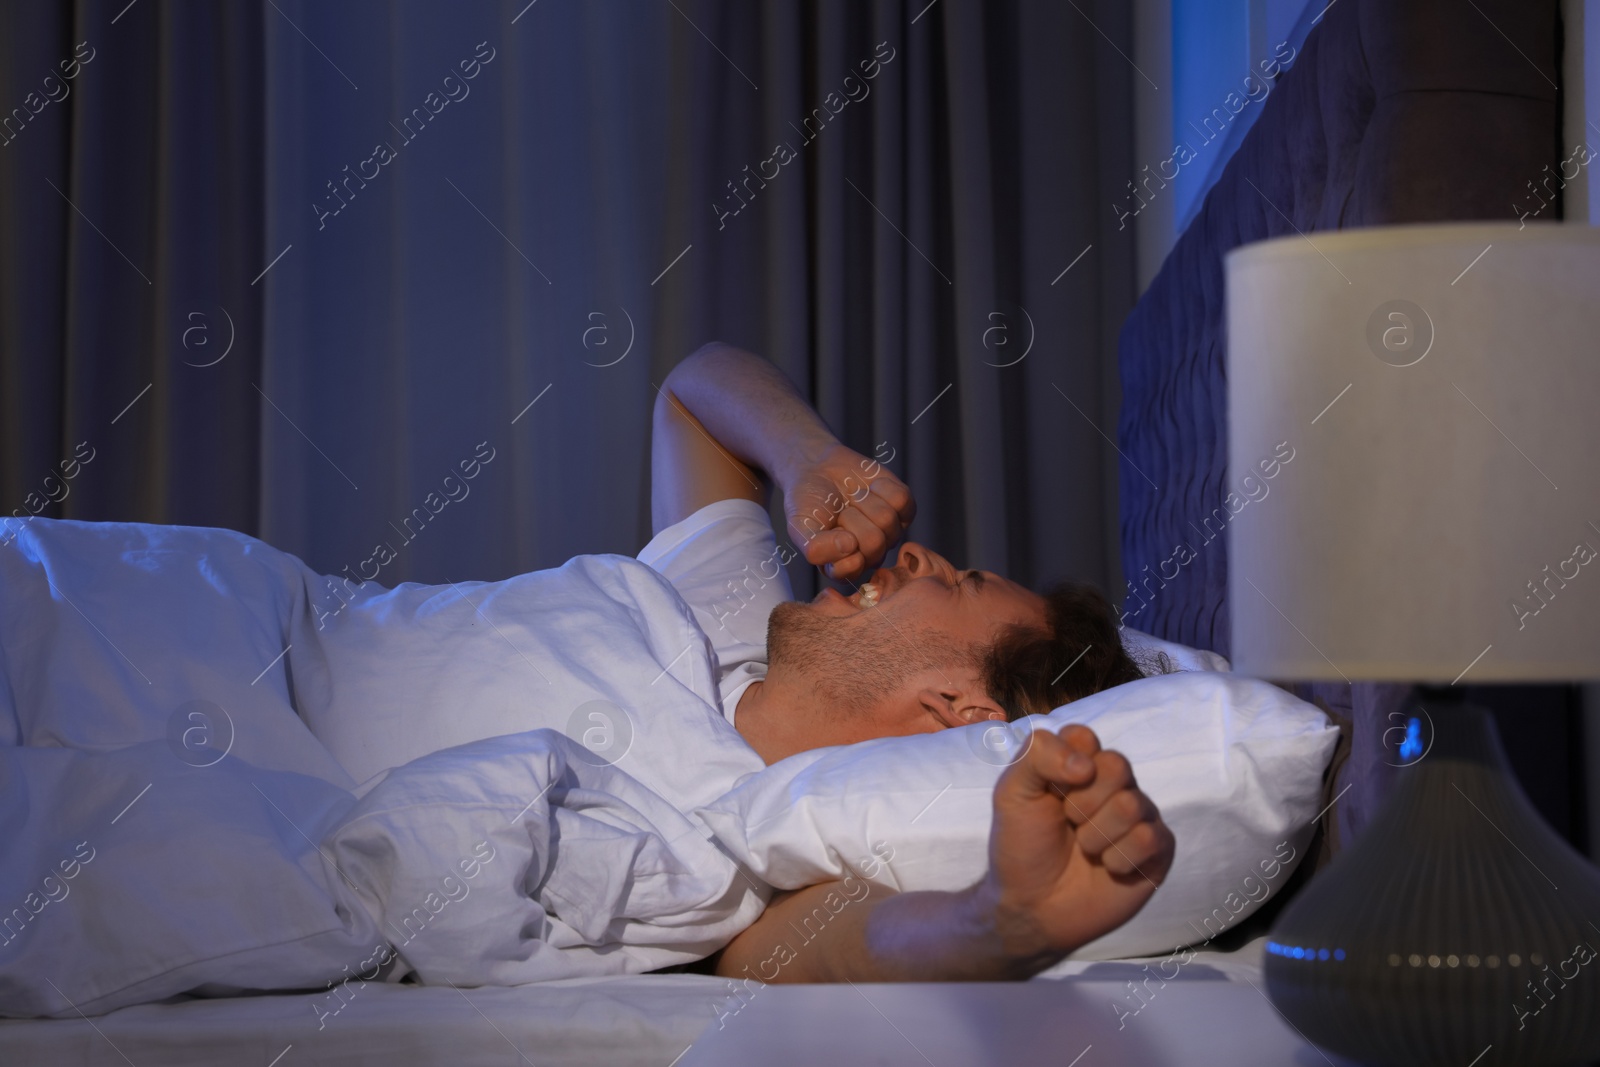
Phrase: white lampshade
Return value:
(1436, 390)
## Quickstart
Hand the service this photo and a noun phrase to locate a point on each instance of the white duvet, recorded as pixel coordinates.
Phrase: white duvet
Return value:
(187, 724)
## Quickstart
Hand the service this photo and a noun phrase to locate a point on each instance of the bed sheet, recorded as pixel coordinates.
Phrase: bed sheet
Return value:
(648, 1020)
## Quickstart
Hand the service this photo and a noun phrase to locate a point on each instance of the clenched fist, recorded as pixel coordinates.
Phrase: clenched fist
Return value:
(1075, 848)
(845, 511)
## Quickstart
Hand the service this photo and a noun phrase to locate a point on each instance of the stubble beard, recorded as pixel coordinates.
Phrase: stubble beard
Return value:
(849, 666)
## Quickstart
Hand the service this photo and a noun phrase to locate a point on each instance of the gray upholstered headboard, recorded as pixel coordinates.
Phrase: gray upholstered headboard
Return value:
(1394, 111)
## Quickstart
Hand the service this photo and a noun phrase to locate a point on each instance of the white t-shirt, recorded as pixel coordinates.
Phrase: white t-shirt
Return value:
(726, 563)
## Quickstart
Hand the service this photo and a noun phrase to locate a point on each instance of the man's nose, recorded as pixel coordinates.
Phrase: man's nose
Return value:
(917, 560)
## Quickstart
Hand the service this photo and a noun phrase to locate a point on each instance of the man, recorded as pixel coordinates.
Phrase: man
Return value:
(1076, 849)
(719, 682)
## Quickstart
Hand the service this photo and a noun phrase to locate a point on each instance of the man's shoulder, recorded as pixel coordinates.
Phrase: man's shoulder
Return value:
(732, 519)
(727, 564)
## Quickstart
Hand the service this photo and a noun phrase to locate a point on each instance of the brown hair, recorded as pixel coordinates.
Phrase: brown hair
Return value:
(1028, 670)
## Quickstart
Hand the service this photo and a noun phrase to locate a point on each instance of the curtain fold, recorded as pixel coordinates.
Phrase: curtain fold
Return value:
(473, 239)
(130, 219)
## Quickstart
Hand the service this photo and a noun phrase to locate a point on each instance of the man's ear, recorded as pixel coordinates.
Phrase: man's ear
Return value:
(957, 707)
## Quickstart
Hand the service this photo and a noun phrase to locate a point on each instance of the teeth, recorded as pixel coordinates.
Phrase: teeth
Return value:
(869, 594)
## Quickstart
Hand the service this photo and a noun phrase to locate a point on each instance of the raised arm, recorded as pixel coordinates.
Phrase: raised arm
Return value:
(1074, 852)
(728, 424)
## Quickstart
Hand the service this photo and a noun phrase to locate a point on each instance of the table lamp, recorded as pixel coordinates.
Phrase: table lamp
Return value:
(1439, 525)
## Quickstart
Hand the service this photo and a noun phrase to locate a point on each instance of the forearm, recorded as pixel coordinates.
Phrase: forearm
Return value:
(1060, 875)
(751, 409)
(823, 934)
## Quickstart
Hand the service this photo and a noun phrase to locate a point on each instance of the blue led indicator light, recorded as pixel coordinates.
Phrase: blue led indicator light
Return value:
(1411, 747)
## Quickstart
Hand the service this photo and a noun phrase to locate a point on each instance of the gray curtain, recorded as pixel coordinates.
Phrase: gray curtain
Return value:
(130, 211)
(441, 251)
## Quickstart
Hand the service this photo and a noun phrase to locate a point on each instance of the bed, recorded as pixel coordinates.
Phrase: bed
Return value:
(653, 1020)
(1393, 112)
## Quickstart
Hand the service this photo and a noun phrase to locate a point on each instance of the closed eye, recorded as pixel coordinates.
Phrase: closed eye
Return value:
(976, 579)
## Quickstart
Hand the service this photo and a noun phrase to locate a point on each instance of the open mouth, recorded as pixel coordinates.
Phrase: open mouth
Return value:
(864, 597)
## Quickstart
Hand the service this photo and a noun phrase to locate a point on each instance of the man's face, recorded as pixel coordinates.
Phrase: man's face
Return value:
(875, 667)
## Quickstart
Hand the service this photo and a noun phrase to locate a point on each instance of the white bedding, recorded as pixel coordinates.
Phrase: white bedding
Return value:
(511, 860)
(182, 707)
(634, 1021)
(631, 1021)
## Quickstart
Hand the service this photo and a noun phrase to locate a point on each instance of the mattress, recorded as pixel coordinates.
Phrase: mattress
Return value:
(655, 1020)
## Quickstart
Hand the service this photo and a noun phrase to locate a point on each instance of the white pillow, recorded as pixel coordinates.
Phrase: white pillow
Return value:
(1234, 764)
(1181, 656)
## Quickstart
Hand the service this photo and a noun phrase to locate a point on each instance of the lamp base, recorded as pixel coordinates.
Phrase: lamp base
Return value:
(1458, 929)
